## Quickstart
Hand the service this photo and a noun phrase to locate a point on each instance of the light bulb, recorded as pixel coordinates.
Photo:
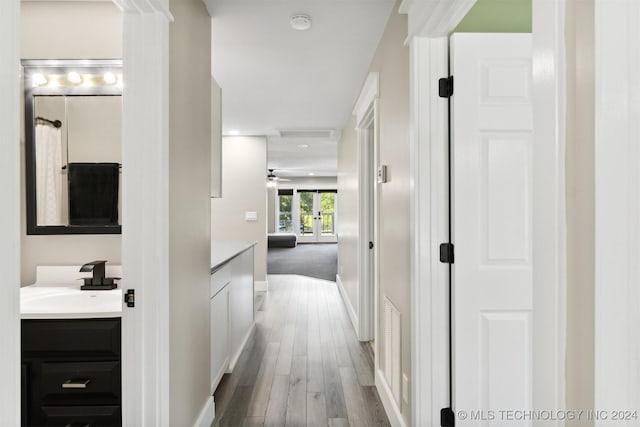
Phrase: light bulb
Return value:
(38, 80)
(109, 78)
(74, 77)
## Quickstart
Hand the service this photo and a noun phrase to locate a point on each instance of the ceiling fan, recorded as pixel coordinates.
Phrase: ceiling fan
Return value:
(271, 176)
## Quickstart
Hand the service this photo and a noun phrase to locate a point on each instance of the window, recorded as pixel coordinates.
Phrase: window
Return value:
(285, 203)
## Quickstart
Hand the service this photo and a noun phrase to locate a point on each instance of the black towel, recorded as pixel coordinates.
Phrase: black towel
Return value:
(93, 193)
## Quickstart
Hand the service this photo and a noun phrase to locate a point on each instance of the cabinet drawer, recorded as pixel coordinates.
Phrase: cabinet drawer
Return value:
(94, 416)
(79, 337)
(219, 279)
(86, 383)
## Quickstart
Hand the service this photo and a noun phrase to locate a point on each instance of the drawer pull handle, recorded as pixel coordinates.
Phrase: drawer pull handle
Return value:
(75, 383)
(78, 425)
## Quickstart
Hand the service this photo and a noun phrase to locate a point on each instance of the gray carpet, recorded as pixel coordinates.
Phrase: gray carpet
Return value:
(319, 260)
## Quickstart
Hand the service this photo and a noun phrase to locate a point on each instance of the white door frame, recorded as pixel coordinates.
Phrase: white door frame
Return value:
(145, 238)
(365, 110)
(617, 206)
(430, 225)
(145, 339)
(429, 25)
(10, 168)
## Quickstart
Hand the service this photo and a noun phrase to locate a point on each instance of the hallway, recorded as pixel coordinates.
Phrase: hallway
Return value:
(303, 364)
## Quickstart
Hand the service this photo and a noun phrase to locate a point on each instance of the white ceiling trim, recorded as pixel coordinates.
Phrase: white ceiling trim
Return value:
(434, 18)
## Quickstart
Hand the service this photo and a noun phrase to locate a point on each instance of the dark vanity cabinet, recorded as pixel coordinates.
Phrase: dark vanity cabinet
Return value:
(71, 373)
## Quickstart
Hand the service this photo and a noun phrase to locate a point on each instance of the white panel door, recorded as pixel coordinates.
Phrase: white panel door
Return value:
(492, 227)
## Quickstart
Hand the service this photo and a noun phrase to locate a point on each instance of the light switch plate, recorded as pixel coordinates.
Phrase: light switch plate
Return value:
(251, 216)
(382, 174)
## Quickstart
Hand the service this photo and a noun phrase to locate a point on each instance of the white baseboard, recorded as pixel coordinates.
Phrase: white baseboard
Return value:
(388, 401)
(347, 303)
(207, 415)
(235, 357)
(261, 286)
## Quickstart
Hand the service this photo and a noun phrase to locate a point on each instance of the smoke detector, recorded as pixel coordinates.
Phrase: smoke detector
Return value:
(300, 22)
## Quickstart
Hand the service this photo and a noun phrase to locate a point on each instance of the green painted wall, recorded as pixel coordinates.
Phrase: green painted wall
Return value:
(497, 16)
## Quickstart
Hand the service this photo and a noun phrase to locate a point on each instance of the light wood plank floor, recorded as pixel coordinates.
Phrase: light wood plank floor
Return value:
(303, 365)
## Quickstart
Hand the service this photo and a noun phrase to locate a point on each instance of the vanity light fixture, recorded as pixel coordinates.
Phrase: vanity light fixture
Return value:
(300, 22)
(311, 173)
(74, 77)
(109, 78)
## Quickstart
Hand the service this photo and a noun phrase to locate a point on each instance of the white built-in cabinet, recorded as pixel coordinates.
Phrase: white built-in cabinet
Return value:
(232, 313)
(220, 281)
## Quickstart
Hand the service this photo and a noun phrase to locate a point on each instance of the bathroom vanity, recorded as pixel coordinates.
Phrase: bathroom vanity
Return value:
(232, 304)
(71, 372)
(71, 351)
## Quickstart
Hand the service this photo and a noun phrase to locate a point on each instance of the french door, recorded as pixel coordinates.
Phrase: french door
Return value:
(317, 218)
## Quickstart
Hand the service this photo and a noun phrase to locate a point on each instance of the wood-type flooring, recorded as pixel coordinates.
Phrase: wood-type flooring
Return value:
(303, 365)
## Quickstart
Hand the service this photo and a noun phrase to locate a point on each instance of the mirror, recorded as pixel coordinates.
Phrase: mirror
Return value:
(73, 130)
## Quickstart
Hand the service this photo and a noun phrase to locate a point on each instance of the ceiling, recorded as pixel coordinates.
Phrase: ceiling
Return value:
(274, 78)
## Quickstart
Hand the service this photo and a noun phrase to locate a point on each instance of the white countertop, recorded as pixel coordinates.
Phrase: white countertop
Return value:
(57, 295)
(224, 250)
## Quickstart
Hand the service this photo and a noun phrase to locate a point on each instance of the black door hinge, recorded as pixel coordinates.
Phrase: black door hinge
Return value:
(130, 297)
(445, 87)
(447, 418)
(446, 253)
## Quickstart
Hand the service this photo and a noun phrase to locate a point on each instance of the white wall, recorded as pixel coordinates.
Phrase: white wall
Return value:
(189, 212)
(67, 30)
(391, 61)
(348, 213)
(244, 176)
(71, 30)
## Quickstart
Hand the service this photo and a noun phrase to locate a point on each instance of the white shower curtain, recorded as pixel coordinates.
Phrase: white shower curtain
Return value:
(49, 175)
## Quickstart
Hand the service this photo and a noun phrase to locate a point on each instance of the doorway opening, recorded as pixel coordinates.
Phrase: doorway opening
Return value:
(303, 228)
(366, 112)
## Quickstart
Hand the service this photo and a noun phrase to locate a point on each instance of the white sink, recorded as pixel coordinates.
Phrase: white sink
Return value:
(39, 302)
(57, 295)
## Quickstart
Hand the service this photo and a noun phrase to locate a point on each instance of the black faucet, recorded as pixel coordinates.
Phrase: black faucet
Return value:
(98, 282)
